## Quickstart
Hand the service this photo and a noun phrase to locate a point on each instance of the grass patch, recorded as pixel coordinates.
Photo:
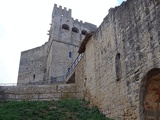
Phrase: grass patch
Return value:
(68, 109)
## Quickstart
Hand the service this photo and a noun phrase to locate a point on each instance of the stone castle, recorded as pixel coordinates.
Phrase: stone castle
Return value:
(50, 62)
(115, 66)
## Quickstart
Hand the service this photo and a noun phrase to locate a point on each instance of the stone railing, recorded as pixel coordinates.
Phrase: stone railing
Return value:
(39, 92)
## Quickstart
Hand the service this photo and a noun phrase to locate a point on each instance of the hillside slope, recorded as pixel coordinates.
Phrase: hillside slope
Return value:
(69, 109)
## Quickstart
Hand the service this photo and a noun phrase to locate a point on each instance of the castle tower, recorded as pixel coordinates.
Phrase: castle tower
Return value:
(65, 36)
(51, 60)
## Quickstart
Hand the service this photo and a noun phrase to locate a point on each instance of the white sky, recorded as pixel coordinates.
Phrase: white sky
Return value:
(24, 25)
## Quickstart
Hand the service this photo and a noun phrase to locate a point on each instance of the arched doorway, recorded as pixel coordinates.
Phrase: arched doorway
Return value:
(150, 96)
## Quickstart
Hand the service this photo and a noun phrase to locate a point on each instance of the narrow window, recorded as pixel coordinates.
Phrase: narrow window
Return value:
(74, 29)
(84, 32)
(34, 76)
(65, 26)
(70, 54)
(118, 66)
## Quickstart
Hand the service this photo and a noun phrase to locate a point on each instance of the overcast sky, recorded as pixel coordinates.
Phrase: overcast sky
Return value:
(24, 25)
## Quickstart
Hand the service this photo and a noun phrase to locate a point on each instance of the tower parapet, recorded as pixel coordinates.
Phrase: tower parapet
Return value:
(87, 25)
(66, 29)
(59, 11)
(61, 16)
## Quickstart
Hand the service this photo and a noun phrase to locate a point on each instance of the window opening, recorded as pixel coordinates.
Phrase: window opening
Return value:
(74, 29)
(118, 66)
(34, 76)
(84, 32)
(70, 54)
(65, 26)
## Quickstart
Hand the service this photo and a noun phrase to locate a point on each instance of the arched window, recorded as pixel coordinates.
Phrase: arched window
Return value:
(84, 32)
(65, 26)
(118, 66)
(74, 29)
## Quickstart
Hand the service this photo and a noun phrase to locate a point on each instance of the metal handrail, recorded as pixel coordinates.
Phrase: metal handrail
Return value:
(74, 64)
(53, 80)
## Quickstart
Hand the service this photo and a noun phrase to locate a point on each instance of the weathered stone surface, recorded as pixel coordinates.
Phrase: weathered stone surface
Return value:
(119, 71)
(42, 92)
(32, 65)
(132, 31)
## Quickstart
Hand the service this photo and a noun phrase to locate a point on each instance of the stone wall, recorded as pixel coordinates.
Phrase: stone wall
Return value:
(32, 67)
(63, 56)
(131, 32)
(80, 76)
(41, 92)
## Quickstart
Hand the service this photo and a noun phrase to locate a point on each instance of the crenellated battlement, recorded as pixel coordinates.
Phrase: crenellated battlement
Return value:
(58, 10)
(65, 15)
(84, 24)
